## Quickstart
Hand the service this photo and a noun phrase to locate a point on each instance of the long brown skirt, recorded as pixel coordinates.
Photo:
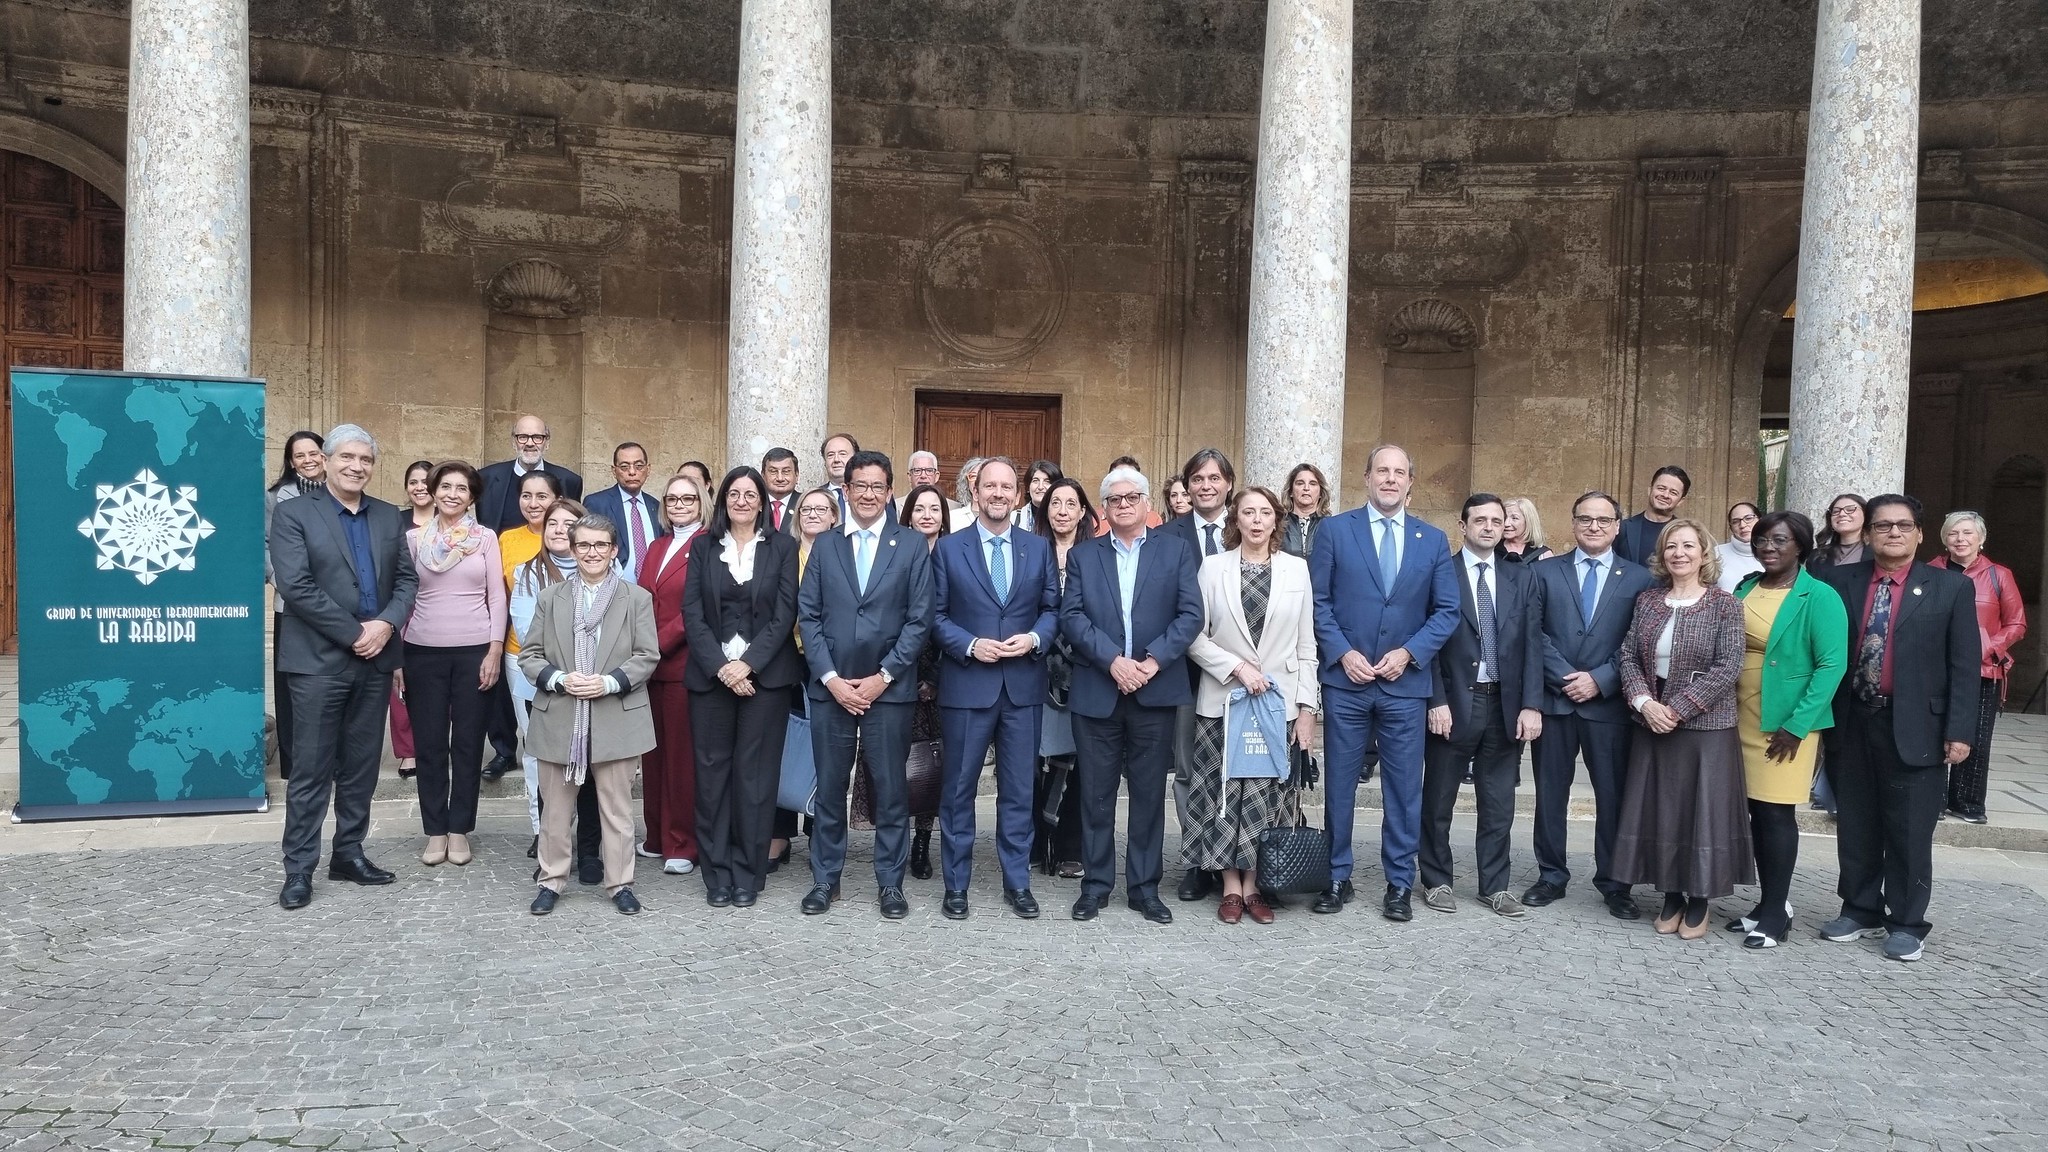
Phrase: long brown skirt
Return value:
(1685, 814)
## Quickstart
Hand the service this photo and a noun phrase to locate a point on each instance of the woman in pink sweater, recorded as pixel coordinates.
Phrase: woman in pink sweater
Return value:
(454, 654)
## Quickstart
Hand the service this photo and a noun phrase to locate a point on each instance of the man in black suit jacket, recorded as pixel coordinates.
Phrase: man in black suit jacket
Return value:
(864, 609)
(634, 511)
(1488, 702)
(1209, 478)
(1589, 598)
(499, 508)
(780, 469)
(1906, 710)
(345, 585)
(1129, 676)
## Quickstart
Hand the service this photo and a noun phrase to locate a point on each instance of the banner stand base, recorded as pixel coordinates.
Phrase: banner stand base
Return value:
(42, 813)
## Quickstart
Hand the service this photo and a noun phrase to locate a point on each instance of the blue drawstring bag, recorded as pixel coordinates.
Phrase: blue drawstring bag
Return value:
(1255, 736)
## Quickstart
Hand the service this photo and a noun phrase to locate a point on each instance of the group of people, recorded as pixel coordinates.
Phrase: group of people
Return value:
(1085, 647)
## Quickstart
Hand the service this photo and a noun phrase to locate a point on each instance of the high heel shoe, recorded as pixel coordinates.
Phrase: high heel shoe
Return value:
(776, 861)
(436, 851)
(1690, 928)
(921, 854)
(1747, 924)
(458, 849)
(1667, 919)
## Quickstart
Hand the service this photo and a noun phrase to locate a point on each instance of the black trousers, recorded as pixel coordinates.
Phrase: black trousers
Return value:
(1557, 751)
(1774, 833)
(1058, 826)
(1133, 745)
(1480, 739)
(1884, 825)
(281, 689)
(447, 711)
(500, 725)
(1967, 782)
(340, 736)
(883, 733)
(738, 743)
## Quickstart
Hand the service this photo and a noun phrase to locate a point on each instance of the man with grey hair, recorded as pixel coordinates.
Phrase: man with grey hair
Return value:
(922, 467)
(498, 509)
(345, 585)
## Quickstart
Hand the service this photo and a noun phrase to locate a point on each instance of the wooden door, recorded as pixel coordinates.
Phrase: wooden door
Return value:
(60, 275)
(957, 426)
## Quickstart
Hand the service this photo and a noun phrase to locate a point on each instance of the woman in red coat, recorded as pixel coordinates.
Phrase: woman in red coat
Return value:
(668, 775)
(2001, 622)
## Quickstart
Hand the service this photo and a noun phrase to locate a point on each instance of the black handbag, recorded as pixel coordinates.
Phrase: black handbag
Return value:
(1306, 772)
(1294, 861)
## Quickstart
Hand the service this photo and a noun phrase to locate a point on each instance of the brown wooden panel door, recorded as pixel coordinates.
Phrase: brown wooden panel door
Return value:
(61, 245)
(957, 426)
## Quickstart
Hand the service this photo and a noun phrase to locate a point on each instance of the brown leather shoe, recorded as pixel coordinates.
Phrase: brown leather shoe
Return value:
(1231, 910)
(1256, 907)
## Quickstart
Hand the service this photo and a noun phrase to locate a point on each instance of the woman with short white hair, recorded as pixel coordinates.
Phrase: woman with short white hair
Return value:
(2001, 623)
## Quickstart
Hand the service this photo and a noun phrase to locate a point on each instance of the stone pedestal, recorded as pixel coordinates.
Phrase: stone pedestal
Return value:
(187, 276)
(781, 231)
(1852, 344)
(1301, 233)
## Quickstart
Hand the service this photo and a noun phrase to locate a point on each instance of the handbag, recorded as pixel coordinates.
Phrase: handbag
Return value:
(1255, 739)
(797, 790)
(923, 776)
(1304, 773)
(1294, 861)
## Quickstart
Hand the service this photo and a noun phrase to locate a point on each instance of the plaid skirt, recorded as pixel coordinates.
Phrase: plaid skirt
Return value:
(1216, 839)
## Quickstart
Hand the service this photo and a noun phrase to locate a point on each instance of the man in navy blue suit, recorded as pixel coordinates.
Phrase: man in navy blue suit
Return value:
(864, 610)
(1132, 607)
(998, 603)
(1386, 600)
(629, 506)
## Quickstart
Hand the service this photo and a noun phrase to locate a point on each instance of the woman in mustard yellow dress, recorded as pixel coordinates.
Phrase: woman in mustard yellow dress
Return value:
(1795, 651)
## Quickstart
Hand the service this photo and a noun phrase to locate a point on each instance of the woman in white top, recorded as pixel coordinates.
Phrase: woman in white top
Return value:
(1737, 561)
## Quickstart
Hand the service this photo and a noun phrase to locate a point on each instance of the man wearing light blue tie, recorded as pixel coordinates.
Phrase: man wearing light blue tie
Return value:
(1386, 599)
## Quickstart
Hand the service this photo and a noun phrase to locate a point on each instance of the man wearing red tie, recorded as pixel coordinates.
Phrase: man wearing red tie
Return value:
(628, 505)
(779, 470)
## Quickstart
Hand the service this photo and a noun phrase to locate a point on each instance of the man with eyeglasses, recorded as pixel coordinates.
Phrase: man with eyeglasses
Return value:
(1904, 713)
(1637, 537)
(923, 468)
(629, 506)
(499, 508)
(1588, 597)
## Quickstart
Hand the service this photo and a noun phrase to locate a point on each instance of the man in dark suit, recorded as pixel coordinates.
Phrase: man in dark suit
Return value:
(1906, 710)
(779, 468)
(1588, 596)
(1209, 478)
(1637, 537)
(1488, 702)
(1132, 607)
(1386, 599)
(499, 508)
(835, 453)
(864, 609)
(998, 606)
(630, 507)
(345, 585)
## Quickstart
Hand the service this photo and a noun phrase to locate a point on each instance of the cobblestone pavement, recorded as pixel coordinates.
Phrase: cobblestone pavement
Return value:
(157, 998)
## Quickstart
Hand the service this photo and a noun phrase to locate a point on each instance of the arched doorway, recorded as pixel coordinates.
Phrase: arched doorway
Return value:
(61, 242)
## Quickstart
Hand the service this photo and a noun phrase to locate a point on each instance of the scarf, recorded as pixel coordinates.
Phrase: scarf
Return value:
(443, 548)
(587, 622)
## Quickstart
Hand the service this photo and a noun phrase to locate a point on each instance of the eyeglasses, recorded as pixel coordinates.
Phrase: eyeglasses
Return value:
(632, 466)
(530, 437)
(1122, 500)
(923, 470)
(814, 510)
(1845, 510)
(1892, 527)
(688, 499)
(868, 489)
(592, 547)
(1742, 519)
(1595, 521)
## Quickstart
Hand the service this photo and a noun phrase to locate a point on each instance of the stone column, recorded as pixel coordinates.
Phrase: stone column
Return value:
(781, 231)
(1852, 344)
(186, 288)
(1301, 242)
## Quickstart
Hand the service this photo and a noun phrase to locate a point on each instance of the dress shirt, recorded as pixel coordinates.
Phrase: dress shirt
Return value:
(1488, 674)
(988, 557)
(1603, 566)
(1127, 581)
(1400, 522)
(632, 504)
(1202, 527)
(355, 526)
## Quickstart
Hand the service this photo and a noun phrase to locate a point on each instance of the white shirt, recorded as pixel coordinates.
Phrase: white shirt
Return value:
(1487, 672)
(1737, 561)
(1202, 527)
(739, 560)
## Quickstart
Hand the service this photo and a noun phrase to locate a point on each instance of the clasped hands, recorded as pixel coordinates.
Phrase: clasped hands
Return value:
(856, 696)
(583, 685)
(1363, 671)
(735, 675)
(1131, 675)
(989, 650)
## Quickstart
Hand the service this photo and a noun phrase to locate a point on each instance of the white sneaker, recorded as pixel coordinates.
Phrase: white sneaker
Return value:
(678, 867)
(641, 851)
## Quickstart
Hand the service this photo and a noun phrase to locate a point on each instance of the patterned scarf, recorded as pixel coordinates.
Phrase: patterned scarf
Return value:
(443, 548)
(588, 618)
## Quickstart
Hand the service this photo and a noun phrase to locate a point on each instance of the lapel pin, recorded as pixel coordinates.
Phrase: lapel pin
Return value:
(1916, 590)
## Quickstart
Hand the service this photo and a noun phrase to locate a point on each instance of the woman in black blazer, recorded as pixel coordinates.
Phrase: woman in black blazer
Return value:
(739, 609)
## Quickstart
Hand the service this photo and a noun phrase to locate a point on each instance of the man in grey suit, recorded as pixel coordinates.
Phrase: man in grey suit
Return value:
(864, 610)
(1588, 597)
(345, 585)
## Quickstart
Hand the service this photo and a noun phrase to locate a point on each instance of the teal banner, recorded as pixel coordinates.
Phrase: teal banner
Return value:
(138, 544)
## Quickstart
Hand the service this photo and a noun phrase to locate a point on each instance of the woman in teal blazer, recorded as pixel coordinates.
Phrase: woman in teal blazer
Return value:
(1795, 651)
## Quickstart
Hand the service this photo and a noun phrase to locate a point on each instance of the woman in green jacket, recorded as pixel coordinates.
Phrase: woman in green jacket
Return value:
(1796, 649)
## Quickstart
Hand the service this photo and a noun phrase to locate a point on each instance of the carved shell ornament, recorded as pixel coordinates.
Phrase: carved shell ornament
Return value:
(1430, 325)
(534, 287)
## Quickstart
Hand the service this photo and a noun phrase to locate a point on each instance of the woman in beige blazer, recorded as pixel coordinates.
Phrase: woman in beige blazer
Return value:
(590, 651)
(1259, 634)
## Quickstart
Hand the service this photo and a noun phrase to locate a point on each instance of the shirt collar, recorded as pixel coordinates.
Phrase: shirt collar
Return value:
(987, 535)
(1117, 542)
(1201, 522)
(519, 469)
(1472, 558)
(1399, 517)
(1604, 560)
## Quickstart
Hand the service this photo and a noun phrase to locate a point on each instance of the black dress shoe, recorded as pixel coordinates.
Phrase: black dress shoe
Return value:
(776, 861)
(543, 902)
(590, 870)
(744, 897)
(499, 765)
(297, 891)
(1542, 893)
(1021, 901)
(954, 906)
(1333, 898)
(1152, 908)
(1395, 906)
(533, 849)
(358, 869)
(1623, 907)
(1194, 885)
(890, 900)
(627, 903)
(819, 900)
(720, 897)
(1088, 907)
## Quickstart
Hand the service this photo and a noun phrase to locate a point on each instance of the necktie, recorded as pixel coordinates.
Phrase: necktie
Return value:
(778, 514)
(639, 529)
(999, 569)
(1589, 591)
(1870, 653)
(1209, 546)
(1489, 653)
(864, 558)
(1389, 567)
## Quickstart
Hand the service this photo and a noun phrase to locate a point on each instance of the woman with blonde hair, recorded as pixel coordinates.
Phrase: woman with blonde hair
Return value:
(668, 774)
(2001, 623)
(1522, 541)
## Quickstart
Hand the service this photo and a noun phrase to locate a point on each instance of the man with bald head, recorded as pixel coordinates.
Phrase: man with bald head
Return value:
(499, 508)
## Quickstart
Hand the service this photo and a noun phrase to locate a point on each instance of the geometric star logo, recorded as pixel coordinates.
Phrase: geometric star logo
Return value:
(144, 527)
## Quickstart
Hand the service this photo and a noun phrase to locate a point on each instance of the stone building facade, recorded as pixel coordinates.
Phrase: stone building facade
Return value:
(1574, 225)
